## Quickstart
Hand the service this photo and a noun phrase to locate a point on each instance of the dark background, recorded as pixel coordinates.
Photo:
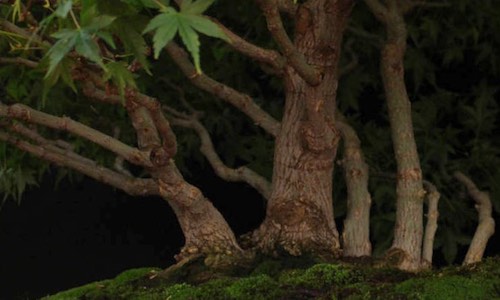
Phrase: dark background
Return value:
(78, 233)
(60, 238)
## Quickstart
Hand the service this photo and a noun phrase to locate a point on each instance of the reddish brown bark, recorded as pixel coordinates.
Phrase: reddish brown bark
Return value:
(299, 215)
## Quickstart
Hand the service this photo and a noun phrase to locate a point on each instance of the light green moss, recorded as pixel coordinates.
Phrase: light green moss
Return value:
(320, 276)
(448, 288)
(260, 287)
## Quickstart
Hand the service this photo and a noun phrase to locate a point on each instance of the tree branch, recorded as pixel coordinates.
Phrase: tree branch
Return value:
(270, 9)
(132, 186)
(241, 174)
(241, 101)
(486, 226)
(270, 57)
(378, 9)
(432, 195)
(18, 61)
(25, 113)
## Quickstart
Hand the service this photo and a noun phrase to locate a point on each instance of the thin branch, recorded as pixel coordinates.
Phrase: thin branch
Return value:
(241, 101)
(353, 63)
(432, 195)
(18, 61)
(130, 185)
(241, 174)
(375, 39)
(25, 113)
(378, 9)
(486, 226)
(10, 27)
(277, 30)
(269, 57)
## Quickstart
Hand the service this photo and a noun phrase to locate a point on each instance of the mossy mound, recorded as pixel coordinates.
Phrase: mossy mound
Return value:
(272, 279)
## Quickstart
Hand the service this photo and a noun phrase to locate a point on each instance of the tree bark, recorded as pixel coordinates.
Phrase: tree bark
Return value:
(299, 216)
(410, 193)
(356, 234)
(205, 230)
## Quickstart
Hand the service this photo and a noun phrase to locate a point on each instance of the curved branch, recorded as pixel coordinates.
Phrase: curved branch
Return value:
(270, 9)
(241, 174)
(18, 61)
(25, 113)
(130, 185)
(486, 226)
(241, 101)
(270, 57)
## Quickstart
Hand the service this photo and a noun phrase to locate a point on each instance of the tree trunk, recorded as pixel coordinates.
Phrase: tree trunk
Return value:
(205, 230)
(410, 193)
(299, 217)
(356, 234)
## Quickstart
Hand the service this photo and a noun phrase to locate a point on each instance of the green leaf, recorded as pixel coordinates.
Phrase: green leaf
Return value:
(118, 73)
(160, 20)
(99, 23)
(64, 8)
(107, 37)
(128, 29)
(197, 7)
(166, 26)
(191, 40)
(88, 48)
(204, 25)
(67, 40)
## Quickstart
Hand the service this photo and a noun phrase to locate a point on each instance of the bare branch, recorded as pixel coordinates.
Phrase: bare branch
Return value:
(486, 226)
(132, 186)
(10, 27)
(270, 57)
(241, 174)
(241, 101)
(353, 63)
(432, 195)
(375, 39)
(378, 9)
(296, 59)
(18, 61)
(25, 113)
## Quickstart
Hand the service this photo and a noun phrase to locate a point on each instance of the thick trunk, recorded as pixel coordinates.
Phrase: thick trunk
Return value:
(410, 193)
(205, 230)
(299, 215)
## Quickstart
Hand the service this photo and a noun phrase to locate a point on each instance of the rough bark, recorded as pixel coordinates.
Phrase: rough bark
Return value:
(299, 216)
(408, 230)
(356, 233)
(205, 230)
(486, 226)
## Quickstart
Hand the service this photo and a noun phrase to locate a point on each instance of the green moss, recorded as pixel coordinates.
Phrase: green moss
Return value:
(448, 287)
(260, 287)
(320, 276)
(80, 292)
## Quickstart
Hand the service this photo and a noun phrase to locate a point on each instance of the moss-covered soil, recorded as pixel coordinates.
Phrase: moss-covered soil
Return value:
(296, 279)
